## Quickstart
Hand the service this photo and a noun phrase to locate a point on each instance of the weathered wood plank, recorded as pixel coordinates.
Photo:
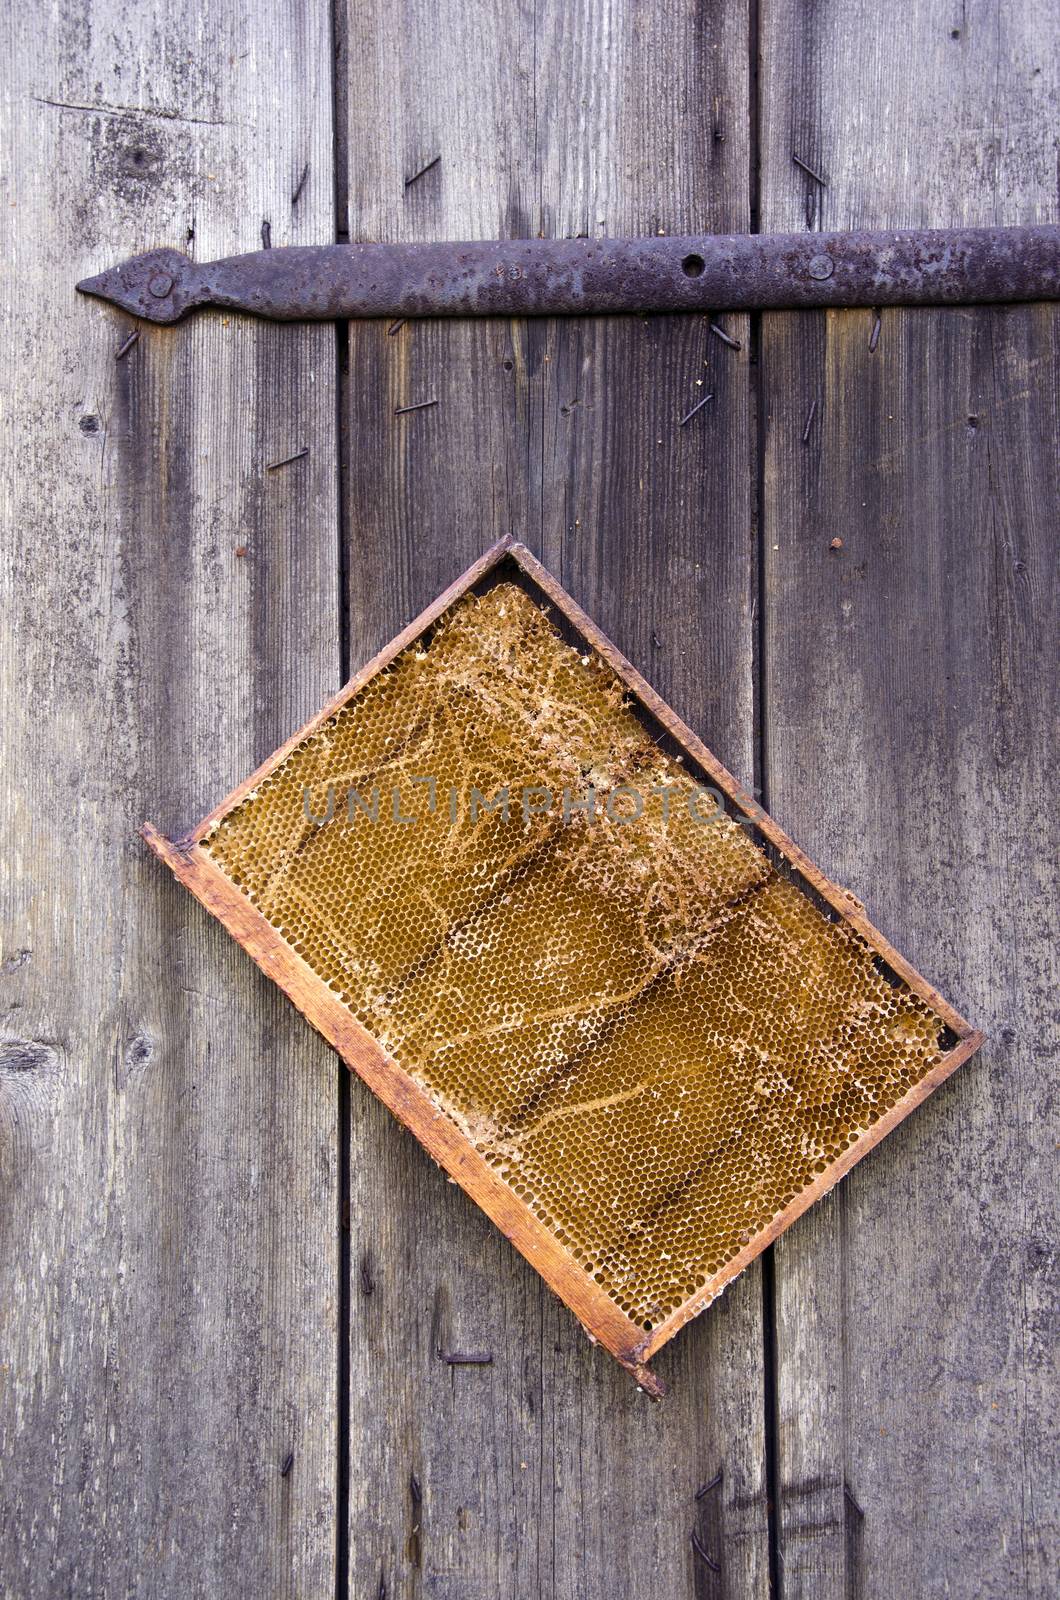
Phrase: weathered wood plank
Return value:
(546, 1473)
(168, 1201)
(909, 735)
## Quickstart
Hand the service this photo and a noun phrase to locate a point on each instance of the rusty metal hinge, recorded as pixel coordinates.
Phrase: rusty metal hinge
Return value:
(542, 277)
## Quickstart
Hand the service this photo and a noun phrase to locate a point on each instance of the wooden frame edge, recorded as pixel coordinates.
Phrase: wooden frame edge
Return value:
(811, 1194)
(840, 899)
(443, 1141)
(467, 580)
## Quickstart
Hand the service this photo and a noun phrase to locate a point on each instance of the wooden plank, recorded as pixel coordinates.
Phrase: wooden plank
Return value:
(168, 1269)
(909, 724)
(545, 1473)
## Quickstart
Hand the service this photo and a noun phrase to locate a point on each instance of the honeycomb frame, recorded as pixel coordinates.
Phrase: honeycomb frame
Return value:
(451, 1142)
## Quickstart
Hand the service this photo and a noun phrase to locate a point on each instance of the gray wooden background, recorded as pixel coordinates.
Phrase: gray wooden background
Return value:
(218, 1257)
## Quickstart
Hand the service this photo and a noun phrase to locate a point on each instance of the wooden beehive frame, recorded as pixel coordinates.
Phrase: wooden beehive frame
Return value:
(602, 1318)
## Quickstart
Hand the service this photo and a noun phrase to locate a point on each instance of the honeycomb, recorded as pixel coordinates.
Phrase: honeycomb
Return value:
(652, 1034)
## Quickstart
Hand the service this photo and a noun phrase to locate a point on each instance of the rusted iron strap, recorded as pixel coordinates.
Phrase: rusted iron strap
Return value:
(538, 277)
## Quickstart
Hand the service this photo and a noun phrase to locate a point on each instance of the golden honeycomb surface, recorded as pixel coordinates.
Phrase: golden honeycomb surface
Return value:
(654, 1036)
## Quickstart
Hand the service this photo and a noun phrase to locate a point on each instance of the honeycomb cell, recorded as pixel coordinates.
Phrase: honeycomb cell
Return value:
(653, 1035)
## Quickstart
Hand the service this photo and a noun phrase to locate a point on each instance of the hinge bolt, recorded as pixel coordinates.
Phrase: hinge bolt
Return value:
(821, 266)
(161, 285)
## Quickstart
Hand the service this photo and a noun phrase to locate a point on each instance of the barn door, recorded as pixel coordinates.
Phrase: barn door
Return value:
(228, 1280)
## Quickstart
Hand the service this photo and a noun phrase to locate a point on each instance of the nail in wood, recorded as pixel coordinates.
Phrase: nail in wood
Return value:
(300, 185)
(726, 338)
(702, 1554)
(695, 408)
(816, 176)
(286, 462)
(422, 172)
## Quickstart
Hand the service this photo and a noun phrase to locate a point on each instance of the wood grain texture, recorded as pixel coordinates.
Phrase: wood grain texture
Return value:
(909, 691)
(544, 1474)
(168, 1185)
(169, 1272)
